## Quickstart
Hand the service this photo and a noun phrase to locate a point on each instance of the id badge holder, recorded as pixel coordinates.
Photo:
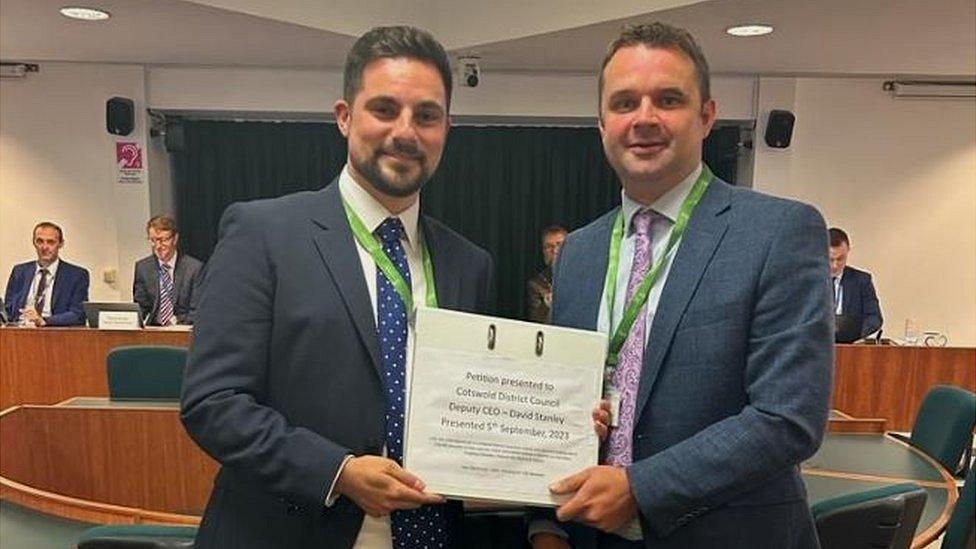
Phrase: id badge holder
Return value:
(613, 396)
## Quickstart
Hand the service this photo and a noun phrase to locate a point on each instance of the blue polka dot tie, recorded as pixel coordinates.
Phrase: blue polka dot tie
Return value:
(425, 527)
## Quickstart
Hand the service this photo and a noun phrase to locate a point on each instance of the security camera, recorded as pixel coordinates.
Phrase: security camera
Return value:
(470, 71)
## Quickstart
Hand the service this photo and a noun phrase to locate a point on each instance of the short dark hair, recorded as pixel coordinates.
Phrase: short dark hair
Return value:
(48, 225)
(838, 237)
(162, 223)
(552, 229)
(661, 36)
(393, 42)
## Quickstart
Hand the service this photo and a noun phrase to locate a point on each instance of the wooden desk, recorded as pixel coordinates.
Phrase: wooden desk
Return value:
(49, 365)
(883, 381)
(97, 461)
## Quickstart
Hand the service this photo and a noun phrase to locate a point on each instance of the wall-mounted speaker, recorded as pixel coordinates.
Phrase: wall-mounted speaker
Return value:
(119, 115)
(779, 129)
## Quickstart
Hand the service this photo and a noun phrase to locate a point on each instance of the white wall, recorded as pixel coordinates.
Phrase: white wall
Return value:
(899, 175)
(57, 163)
(310, 91)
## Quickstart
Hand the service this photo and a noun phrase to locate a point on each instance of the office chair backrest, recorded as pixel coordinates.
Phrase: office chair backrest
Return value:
(961, 532)
(137, 536)
(944, 424)
(146, 372)
(885, 517)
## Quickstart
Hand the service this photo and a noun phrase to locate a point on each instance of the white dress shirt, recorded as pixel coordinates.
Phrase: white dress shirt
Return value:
(375, 532)
(52, 270)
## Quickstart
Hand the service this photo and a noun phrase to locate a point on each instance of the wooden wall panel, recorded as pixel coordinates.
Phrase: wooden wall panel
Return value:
(890, 382)
(49, 365)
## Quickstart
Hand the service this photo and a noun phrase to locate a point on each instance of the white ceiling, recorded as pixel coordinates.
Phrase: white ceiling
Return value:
(885, 37)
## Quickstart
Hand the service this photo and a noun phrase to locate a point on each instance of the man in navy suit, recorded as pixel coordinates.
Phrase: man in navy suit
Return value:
(720, 378)
(49, 291)
(853, 289)
(295, 380)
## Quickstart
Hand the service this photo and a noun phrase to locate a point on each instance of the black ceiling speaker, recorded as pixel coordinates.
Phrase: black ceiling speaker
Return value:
(119, 115)
(779, 129)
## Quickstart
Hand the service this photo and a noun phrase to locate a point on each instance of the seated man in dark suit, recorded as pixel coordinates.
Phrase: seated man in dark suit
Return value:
(165, 284)
(49, 291)
(853, 290)
(539, 287)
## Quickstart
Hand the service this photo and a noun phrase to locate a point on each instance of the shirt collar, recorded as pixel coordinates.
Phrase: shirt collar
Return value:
(52, 269)
(667, 205)
(371, 212)
(171, 262)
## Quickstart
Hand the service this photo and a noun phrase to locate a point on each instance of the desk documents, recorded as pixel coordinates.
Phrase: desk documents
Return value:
(498, 409)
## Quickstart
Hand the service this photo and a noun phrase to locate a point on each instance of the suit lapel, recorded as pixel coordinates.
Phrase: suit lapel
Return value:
(592, 283)
(58, 294)
(847, 291)
(702, 237)
(152, 279)
(27, 275)
(337, 248)
(448, 286)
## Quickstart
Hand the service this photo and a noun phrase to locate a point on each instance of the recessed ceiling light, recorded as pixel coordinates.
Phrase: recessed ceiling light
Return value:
(749, 30)
(85, 14)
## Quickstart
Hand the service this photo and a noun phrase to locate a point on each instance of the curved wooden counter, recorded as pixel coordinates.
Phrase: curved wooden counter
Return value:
(96, 461)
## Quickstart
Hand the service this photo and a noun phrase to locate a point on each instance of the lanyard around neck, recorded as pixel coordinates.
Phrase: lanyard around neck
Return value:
(633, 307)
(373, 247)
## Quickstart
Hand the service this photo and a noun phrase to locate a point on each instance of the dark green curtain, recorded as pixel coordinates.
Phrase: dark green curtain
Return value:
(498, 186)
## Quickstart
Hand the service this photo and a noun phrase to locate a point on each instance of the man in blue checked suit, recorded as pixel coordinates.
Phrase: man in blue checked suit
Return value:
(295, 380)
(49, 291)
(722, 368)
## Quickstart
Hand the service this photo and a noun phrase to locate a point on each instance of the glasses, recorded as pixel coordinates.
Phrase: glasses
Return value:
(160, 240)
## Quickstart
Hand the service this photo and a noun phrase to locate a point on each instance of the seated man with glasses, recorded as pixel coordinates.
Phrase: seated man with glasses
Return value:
(166, 282)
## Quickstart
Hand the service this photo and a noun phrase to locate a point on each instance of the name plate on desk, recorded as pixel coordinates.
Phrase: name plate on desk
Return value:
(499, 409)
(118, 320)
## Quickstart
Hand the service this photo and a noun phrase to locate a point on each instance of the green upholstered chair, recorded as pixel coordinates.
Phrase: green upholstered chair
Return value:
(944, 426)
(137, 536)
(885, 517)
(961, 532)
(146, 372)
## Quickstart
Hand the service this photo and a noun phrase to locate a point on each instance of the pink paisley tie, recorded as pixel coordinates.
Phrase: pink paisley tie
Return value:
(626, 378)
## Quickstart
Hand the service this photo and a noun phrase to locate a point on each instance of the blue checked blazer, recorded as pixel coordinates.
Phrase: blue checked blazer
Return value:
(736, 378)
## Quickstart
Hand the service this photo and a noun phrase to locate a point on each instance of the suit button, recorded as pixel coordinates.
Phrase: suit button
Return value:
(292, 510)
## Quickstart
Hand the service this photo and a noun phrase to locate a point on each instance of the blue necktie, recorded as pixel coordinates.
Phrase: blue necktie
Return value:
(426, 526)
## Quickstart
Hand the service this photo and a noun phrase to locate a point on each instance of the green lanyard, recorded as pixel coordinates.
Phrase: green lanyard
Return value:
(633, 307)
(373, 247)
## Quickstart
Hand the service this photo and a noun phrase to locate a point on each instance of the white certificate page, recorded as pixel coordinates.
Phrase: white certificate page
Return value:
(499, 409)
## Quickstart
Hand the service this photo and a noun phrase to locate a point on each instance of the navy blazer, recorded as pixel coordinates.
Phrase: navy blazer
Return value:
(70, 291)
(186, 281)
(284, 374)
(736, 378)
(859, 298)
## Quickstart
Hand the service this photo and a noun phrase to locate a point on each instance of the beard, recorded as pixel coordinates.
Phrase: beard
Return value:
(400, 184)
